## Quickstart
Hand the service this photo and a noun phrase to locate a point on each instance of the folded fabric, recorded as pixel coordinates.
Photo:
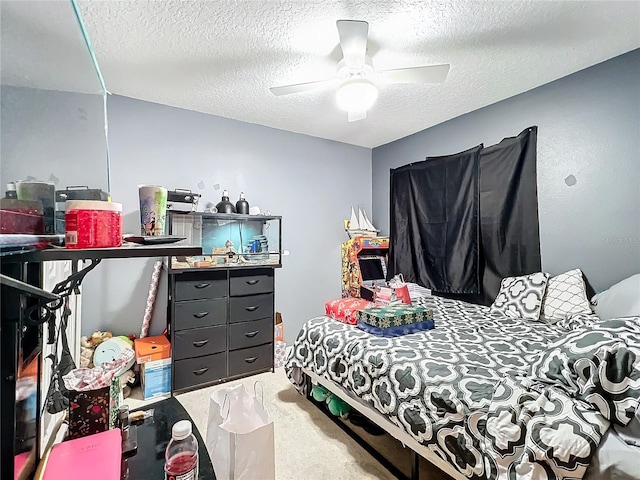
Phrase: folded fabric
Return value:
(85, 379)
(344, 309)
(397, 330)
(394, 315)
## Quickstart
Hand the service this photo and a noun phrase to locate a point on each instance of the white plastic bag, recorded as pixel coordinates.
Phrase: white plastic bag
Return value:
(240, 435)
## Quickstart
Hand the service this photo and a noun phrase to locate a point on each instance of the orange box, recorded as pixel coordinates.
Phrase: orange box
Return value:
(279, 328)
(152, 348)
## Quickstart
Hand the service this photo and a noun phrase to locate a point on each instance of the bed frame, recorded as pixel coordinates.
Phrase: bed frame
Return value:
(417, 449)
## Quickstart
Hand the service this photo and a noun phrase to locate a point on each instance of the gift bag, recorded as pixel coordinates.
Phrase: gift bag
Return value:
(240, 435)
(93, 411)
(94, 395)
(400, 289)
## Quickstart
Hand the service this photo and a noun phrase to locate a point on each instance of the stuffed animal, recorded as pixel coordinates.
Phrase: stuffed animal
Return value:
(98, 337)
(86, 353)
(88, 347)
(336, 406)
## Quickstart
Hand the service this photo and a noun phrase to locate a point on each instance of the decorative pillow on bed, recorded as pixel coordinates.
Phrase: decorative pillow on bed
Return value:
(565, 294)
(521, 297)
(619, 300)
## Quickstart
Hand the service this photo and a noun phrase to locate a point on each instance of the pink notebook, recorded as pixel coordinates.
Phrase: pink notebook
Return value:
(96, 456)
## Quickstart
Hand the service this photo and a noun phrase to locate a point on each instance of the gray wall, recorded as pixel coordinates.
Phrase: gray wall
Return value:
(309, 181)
(52, 136)
(588, 128)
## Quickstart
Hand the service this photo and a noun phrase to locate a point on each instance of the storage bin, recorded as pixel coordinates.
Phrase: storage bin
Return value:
(93, 224)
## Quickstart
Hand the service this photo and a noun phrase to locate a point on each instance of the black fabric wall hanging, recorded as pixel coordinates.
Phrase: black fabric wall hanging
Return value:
(466, 256)
(434, 222)
(509, 228)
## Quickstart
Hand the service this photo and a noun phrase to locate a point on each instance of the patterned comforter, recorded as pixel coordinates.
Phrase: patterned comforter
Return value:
(495, 397)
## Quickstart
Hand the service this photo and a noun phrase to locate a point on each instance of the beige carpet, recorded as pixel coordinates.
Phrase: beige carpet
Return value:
(310, 446)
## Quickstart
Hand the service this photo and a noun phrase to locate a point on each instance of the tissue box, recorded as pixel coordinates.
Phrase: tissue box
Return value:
(155, 378)
(394, 315)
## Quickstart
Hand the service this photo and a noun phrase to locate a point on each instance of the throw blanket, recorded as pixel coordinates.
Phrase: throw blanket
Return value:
(476, 390)
(548, 425)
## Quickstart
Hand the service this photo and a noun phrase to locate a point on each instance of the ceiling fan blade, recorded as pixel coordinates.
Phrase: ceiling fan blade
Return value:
(299, 87)
(427, 74)
(355, 116)
(353, 41)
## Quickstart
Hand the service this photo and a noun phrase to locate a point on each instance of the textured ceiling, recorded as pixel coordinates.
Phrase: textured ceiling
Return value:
(221, 57)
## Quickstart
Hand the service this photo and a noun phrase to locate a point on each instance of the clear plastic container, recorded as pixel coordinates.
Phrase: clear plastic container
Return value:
(181, 455)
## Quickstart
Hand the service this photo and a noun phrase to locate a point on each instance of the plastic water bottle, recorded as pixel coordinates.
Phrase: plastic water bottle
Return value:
(181, 455)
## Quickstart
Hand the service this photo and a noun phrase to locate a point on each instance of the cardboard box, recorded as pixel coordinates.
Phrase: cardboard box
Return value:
(394, 315)
(279, 328)
(152, 348)
(155, 378)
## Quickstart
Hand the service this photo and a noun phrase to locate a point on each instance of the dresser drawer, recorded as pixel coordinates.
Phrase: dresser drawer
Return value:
(253, 307)
(249, 334)
(250, 359)
(200, 313)
(201, 285)
(194, 371)
(250, 284)
(197, 342)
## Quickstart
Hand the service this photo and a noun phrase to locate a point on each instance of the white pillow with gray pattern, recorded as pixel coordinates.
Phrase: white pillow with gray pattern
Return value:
(566, 294)
(521, 297)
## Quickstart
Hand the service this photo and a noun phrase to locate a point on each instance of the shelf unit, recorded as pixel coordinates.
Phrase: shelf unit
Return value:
(26, 267)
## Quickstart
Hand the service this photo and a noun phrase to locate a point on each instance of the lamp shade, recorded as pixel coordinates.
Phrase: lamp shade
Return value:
(356, 95)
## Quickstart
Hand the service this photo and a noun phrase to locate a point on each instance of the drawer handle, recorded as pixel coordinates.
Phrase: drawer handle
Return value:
(251, 309)
(200, 343)
(200, 371)
(202, 285)
(252, 282)
(201, 314)
(250, 359)
(251, 334)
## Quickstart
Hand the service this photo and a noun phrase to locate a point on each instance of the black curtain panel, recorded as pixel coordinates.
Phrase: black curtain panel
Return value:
(434, 222)
(509, 211)
(459, 224)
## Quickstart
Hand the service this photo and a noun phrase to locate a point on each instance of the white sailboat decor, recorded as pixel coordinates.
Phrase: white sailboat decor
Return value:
(359, 225)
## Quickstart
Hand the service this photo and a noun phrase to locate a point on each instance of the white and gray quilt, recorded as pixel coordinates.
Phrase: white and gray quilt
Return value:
(495, 397)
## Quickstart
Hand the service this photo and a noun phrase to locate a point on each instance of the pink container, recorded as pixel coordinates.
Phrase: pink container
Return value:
(93, 224)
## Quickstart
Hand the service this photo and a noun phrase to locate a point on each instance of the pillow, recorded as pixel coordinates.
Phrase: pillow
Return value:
(521, 297)
(620, 300)
(565, 294)
(630, 433)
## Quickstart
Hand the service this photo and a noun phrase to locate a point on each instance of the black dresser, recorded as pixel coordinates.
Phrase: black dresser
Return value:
(221, 323)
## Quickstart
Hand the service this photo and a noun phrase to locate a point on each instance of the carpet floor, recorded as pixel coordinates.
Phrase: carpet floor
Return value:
(308, 445)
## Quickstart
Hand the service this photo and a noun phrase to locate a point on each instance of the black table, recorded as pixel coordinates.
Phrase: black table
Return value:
(154, 435)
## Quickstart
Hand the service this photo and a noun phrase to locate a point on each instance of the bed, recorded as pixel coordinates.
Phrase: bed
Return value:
(484, 395)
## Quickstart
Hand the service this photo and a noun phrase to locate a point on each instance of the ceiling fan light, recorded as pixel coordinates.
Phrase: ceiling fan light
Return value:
(356, 95)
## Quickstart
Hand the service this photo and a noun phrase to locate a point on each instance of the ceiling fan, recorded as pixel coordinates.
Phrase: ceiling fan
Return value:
(357, 91)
